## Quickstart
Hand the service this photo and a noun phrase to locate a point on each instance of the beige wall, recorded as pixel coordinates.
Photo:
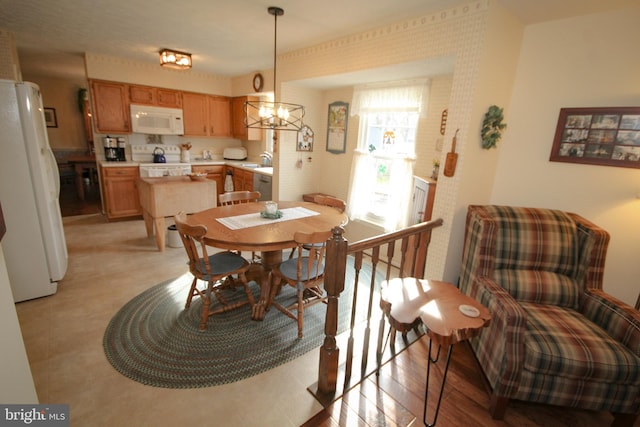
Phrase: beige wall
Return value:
(579, 62)
(62, 95)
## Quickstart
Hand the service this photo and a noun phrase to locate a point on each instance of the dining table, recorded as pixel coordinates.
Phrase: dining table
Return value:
(246, 227)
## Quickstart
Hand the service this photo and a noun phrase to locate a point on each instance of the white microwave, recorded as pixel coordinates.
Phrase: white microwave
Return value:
(156, 120)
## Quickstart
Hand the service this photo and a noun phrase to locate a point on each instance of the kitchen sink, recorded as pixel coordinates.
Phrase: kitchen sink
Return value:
(249, 165)
(265, 169)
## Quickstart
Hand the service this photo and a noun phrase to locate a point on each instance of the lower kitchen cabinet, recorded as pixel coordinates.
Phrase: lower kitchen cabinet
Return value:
(214, 172)
(242, 179)
(120, 191)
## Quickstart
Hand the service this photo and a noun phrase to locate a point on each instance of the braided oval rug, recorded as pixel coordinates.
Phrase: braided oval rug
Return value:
(155, 341)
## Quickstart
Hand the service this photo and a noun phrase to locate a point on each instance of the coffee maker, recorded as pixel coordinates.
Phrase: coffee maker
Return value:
(110, 149)
(120, 150)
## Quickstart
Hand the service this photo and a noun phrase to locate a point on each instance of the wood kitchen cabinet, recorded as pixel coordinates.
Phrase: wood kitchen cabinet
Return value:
(215, 173)
(110, 107)
(120, 191)
(242, 179)
(156, 96)
(219, 116)
(238, 127)
(194, 110)
(206, 115)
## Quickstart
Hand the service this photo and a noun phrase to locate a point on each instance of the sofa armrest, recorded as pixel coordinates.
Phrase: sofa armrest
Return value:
(597, 249)
(619, 320)
(500, 348)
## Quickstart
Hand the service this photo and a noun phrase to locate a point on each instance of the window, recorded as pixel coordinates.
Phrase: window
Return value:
(383, 163)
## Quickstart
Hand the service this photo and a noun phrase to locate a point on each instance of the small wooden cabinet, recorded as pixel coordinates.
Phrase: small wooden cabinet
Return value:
(238, 114)
(120, 191)
(169, 98)
(242, 179)
(206, 115)
(159, 97)
(215, 173)
(110, 107)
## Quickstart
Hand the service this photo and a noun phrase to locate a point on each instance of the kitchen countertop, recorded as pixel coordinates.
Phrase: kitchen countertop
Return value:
(235, 163)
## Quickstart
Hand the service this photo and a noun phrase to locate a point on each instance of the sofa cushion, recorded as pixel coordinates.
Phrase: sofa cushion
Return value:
(539, 286)
(535, 239)
(561, 342)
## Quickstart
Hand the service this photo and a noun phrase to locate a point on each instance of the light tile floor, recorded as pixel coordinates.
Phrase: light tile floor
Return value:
(110, 263)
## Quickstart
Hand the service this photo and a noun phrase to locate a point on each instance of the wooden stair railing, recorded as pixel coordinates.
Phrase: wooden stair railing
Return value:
(412, 243)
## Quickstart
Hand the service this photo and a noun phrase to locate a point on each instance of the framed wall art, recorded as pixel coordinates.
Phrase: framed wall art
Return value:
(305, 139)
(50, 117)
(337, 127)
(607, 136)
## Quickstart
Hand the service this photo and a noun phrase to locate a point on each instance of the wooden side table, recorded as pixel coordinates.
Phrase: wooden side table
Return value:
(449, 316)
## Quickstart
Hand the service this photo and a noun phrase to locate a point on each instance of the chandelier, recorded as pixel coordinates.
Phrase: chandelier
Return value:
(273, 115)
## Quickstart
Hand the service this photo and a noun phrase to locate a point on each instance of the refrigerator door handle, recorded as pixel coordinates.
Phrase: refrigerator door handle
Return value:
(55, 172)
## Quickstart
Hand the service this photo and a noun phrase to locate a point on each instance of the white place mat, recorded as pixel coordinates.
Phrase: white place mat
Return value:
(254, 219)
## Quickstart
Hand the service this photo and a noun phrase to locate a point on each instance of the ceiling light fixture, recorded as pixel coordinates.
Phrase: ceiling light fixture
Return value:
(174, 59)
(274, 115)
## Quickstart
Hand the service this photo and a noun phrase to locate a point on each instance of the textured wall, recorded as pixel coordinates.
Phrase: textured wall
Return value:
(457, 33)
(10, 67)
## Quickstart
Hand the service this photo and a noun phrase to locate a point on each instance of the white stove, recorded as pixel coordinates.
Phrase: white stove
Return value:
(144, 155)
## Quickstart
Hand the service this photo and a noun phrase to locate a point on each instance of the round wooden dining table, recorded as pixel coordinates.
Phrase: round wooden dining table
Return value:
(269, 237)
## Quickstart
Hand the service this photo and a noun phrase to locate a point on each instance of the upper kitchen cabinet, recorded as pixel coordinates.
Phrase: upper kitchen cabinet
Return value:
(155, 96)
(206, 115)
(194, 110)
(239, 129)
(220, 116)
(110, 107)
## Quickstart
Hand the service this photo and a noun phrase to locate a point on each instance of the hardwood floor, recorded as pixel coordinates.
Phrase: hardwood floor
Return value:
(71, 205)
(396, 398)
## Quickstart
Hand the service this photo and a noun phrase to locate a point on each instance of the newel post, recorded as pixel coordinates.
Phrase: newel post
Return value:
(335, 269)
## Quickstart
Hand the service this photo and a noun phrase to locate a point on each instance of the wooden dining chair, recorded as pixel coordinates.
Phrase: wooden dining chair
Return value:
(304, 272)
(325, 200)
(236, 197)
(212, 269)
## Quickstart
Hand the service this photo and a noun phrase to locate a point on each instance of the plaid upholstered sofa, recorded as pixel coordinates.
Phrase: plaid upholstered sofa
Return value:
(555, 337)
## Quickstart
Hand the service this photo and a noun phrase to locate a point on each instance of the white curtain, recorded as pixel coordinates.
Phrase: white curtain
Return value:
(406, 96)
(363, 178)
(403, 96)
(363, 173)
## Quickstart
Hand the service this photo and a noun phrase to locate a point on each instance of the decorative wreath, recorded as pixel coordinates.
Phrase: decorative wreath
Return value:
(492, 127)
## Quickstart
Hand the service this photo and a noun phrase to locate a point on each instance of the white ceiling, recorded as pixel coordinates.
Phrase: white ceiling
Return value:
(226, 37)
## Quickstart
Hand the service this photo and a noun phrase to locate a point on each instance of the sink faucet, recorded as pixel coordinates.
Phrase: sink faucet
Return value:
(267, 158)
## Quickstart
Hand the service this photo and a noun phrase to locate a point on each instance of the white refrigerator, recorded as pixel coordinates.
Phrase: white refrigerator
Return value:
(34, 246)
